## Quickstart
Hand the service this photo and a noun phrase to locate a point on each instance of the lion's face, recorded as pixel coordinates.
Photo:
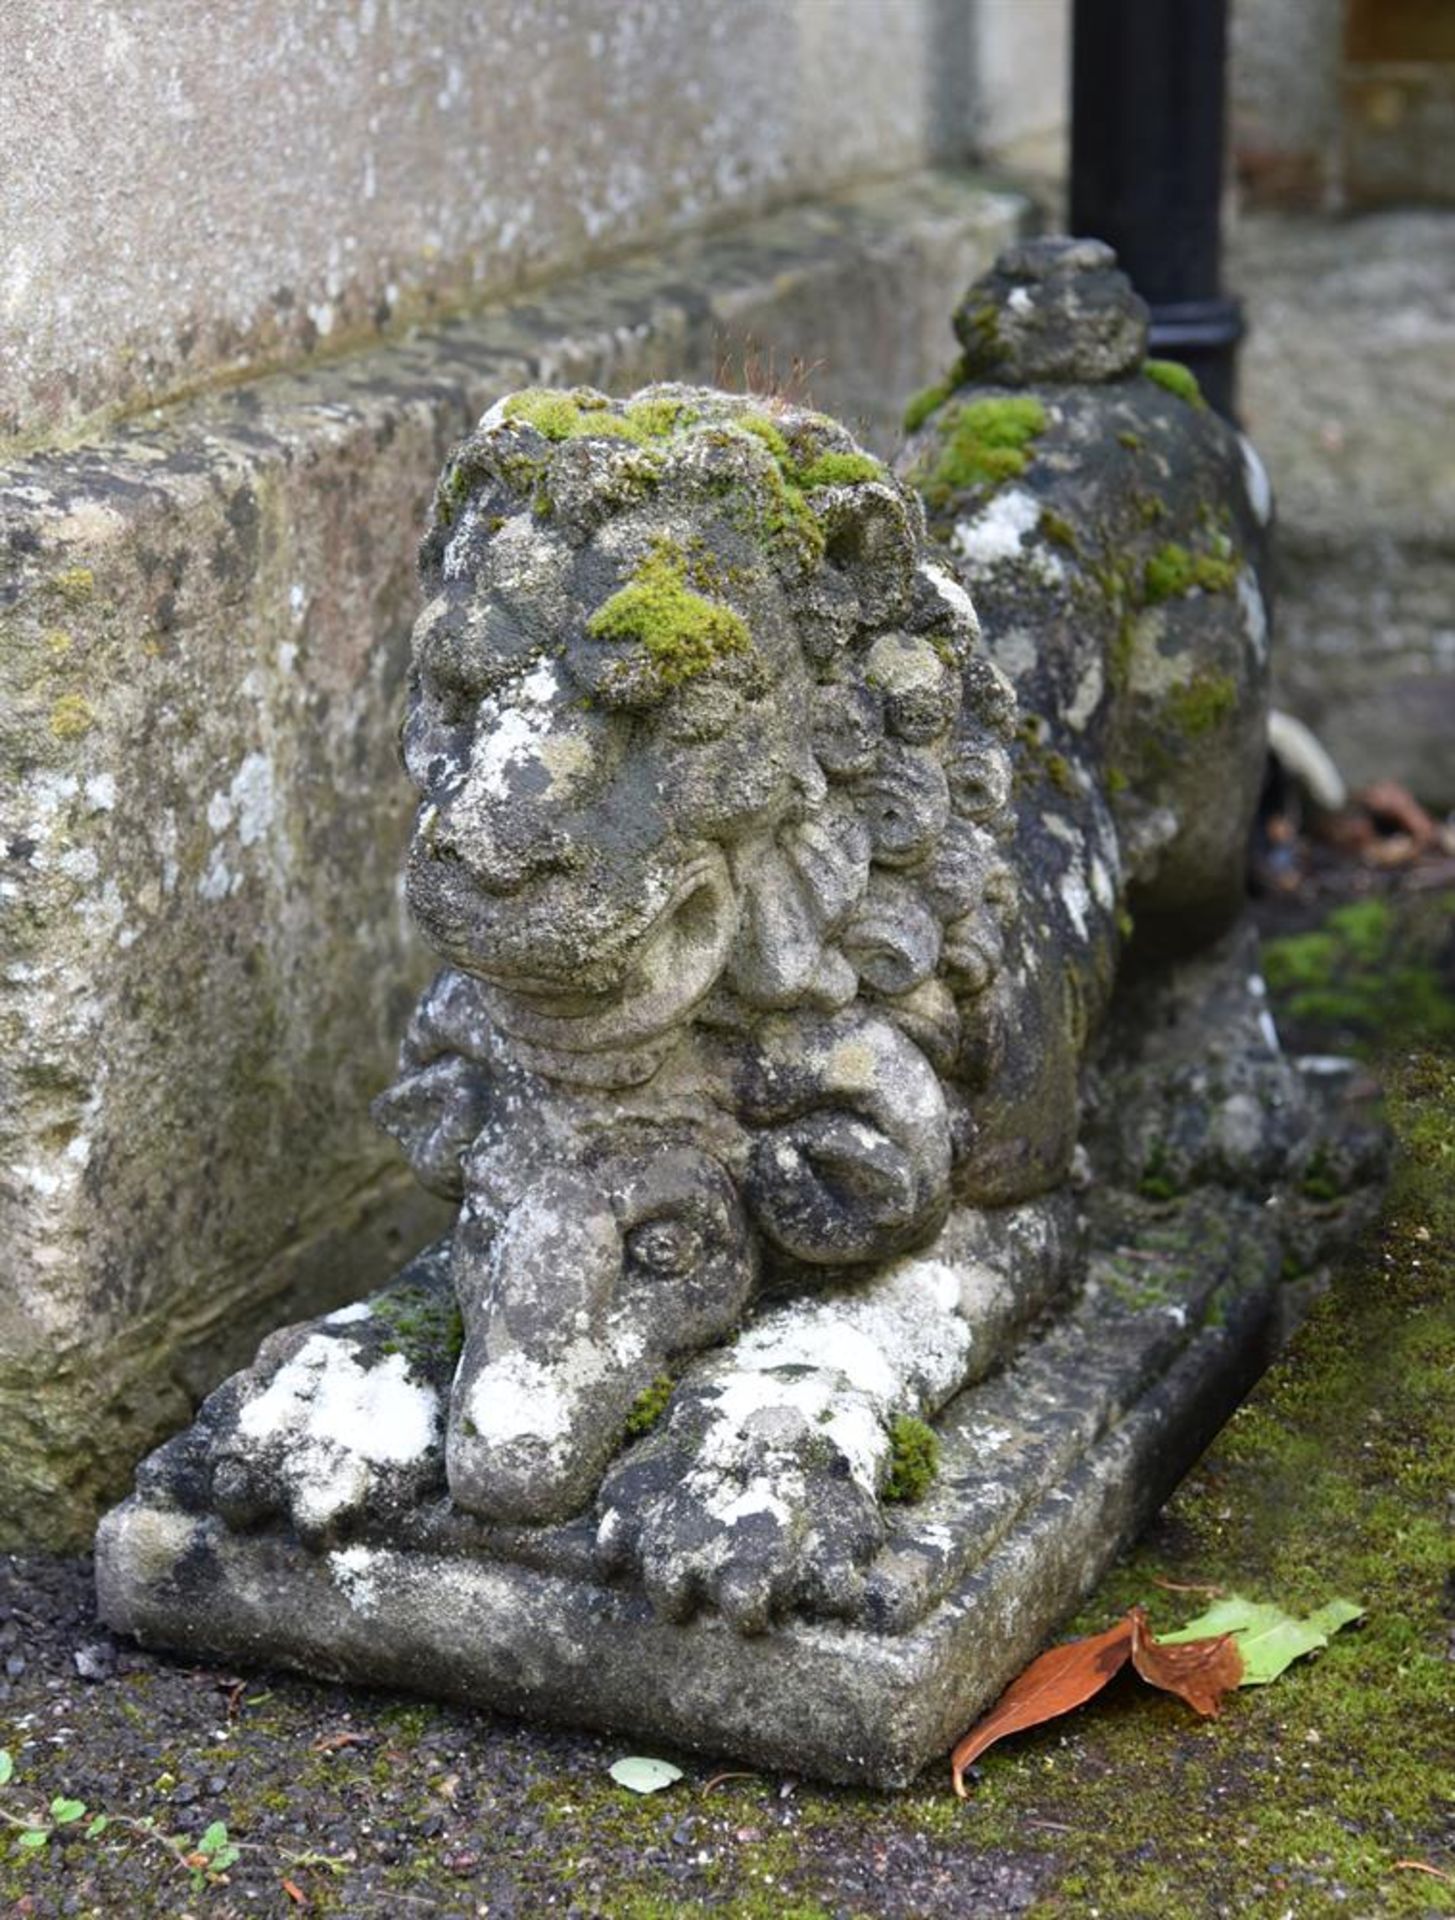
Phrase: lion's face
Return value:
(687, 708)
(580, 796)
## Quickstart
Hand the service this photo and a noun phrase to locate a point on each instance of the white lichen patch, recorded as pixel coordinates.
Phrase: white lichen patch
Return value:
(998, 532)
(329, 1423)
(951, 592)
(1087, 697)
(252, 798)
(1076, 900)
(1016, 649)
(353, 1570)
(521, 1397)
(512, 728)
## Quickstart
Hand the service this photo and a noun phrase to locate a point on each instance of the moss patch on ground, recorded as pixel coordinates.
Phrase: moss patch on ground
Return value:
(1370, 978)
(1334, 1479)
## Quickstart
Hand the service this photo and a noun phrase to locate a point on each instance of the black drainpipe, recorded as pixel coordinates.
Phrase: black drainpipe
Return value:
(1147, 114)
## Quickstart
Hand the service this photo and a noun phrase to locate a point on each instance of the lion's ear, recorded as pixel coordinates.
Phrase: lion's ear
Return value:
(872, 539)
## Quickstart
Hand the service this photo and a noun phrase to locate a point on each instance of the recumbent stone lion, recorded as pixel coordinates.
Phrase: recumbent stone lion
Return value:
(777, 938)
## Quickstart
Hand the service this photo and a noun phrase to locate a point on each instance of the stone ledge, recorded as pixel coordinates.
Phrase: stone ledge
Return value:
(203, 633)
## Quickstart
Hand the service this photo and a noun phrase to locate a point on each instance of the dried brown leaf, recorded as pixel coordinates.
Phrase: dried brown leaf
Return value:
(1066, 1677)
(1197, 1671)
(331, 1742)
(1394, 808)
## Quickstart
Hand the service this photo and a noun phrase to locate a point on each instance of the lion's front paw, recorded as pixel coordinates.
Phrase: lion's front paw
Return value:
(755, 1511)
(338, 1422)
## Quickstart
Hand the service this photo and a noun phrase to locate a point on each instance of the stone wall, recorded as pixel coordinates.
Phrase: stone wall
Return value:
(186, 202)
(1346, 380)
(204, 965)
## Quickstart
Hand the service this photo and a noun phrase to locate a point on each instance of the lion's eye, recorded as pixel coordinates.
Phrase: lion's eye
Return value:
(664, 1248)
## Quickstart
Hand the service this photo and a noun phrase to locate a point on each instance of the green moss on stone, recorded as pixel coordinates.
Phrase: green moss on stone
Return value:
(1203, 704)
(74, 585)
(452, 492)
(766, 430)
(1058, 772)
(1176, 378)
(682, 632)
(71, 716)
(983, 443)
(423, 1325)
(581, 412)
(786, 522)
(1173, 570)
(930, 399)
(561, 416)
(979, 330)
(660, 417)
(1158, 1180)
(840, 470)
(1059, 529)
(914, 1459)
(649, 1406)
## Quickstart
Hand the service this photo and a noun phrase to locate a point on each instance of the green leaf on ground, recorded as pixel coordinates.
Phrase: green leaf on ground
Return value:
(7, 1768)
(641, 1775)
(63, 1811)
(1268, 1638)
(33, 1837)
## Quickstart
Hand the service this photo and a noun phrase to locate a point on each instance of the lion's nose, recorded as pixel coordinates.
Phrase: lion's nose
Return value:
(501, 850)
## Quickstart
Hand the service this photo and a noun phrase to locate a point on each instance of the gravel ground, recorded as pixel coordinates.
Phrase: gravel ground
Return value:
(416, 1807)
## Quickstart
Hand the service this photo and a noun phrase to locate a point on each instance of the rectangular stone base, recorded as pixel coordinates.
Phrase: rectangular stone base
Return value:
(1047, 1470)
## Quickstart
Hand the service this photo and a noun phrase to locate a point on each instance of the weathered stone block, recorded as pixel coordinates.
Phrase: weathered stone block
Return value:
(206, 964)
